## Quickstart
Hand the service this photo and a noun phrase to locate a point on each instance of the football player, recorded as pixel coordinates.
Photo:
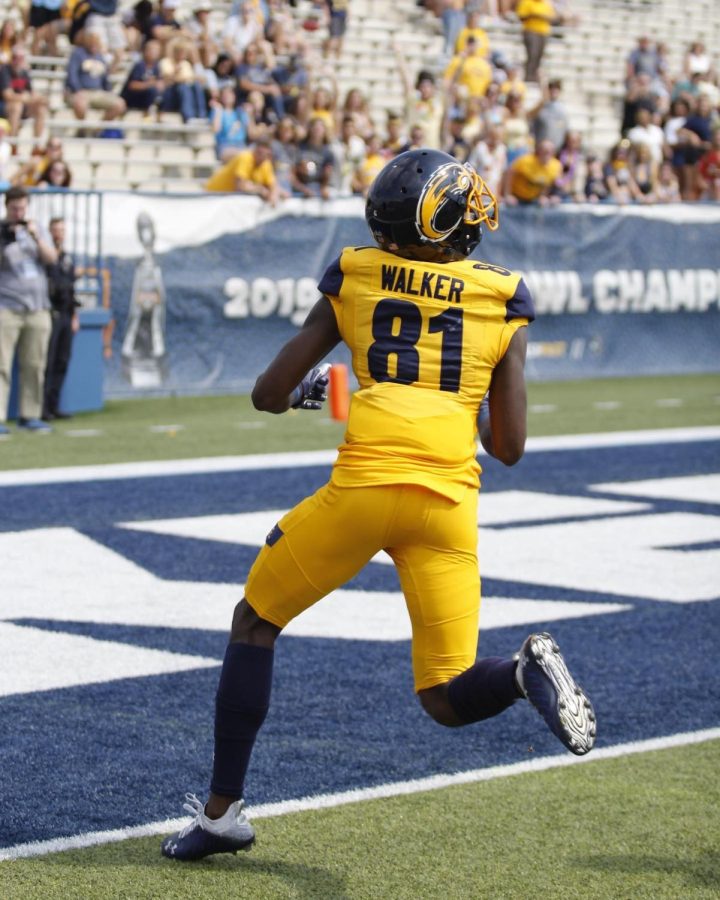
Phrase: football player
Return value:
(438, 345)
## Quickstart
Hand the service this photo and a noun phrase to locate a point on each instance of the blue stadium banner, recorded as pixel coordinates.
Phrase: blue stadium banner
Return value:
(205, 289)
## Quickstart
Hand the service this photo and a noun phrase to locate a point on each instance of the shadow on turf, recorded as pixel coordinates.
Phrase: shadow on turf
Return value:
(303, 880)
(703, 871)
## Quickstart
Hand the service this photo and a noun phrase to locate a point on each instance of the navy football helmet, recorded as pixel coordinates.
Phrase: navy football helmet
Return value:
(426, 205)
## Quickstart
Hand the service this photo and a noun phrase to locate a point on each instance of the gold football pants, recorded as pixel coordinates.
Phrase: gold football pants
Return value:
(325, 540)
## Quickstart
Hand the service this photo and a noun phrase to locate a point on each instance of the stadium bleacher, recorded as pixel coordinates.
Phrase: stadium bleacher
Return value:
(588, 56)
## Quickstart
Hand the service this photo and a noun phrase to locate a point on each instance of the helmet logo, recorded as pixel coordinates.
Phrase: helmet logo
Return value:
(442, 203)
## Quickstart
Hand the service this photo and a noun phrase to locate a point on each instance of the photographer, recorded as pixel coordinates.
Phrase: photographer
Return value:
(25, 321)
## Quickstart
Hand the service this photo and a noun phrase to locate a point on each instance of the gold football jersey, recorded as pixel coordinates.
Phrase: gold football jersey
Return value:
(425, 338)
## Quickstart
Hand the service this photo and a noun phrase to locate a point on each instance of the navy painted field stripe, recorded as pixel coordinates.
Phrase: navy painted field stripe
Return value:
(397, 789)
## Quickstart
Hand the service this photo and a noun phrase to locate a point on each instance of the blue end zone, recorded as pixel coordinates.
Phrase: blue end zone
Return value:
(104, 756)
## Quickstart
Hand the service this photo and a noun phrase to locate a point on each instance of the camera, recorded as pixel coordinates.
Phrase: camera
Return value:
(7, 231)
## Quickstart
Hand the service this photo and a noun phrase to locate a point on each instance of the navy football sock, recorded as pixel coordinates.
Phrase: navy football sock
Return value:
(483, 690)
(241, 704)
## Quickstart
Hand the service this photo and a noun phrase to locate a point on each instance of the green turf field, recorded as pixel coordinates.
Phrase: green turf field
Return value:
(643, 826)
(184, 428)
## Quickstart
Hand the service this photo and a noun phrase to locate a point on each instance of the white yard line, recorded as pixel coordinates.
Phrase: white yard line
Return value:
(209, 465)
(397, 789)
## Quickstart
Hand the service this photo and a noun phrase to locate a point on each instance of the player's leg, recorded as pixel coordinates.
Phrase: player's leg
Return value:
(315, 548)
(439, 575)
(441, 585)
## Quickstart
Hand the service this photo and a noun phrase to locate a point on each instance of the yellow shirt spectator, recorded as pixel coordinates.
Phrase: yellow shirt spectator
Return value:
(242, 169)
(480, 37)
(536, 15)
(533, 175)
(469, 71)
(368, 169)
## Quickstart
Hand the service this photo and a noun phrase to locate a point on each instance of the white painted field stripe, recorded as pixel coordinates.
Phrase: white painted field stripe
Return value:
(396, 789)
(209, 465)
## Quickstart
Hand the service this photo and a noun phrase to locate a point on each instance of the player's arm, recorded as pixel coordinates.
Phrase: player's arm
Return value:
(502, 422)
(287, 381)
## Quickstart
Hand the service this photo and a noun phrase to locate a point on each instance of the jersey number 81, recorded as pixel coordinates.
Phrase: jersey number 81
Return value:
(403, 344)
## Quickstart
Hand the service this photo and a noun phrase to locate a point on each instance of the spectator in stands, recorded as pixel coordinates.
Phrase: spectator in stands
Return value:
(455, 143)
(531, 178)
(221, 75)
(164, 26)
(56, 177)
(137, 23)
(489, 158)
(323, 101)
(24, 309)
(667, 189)
(65, 322)
(184, 88)
(510, 81)
(643, 60)
(9, 36)
(709, 170)
(395, 136)
(284, 154)
(549, 119)
(255, 74)
(644, 169)
(516, 129)
(200, 30)
(242, 28)
(491, 108)
(473, 29)
(264, 116)
(355, 104)
(596, 187)
(471, 111)
(697, 60)
(423, 105)
(679, 111)
(286, 39)
(647, 132)
(537, 18)
(337, 12)
(453, 17)
(416, 139)
(372, 162)
(6, 152)
(231, 124)
(29, 175)
(250, 171)
(41, 19)
(19, 101)
(293, 78)
(695, 139)
(570, 185)
(105, 19)
(621, 185)
(468, 74)
(87, 81)
(314, 167)
(144, 86)
(639, 96)
(348, 151)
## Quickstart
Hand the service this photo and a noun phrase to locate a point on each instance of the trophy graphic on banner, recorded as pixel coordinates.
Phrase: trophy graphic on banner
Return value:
(143, 348)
